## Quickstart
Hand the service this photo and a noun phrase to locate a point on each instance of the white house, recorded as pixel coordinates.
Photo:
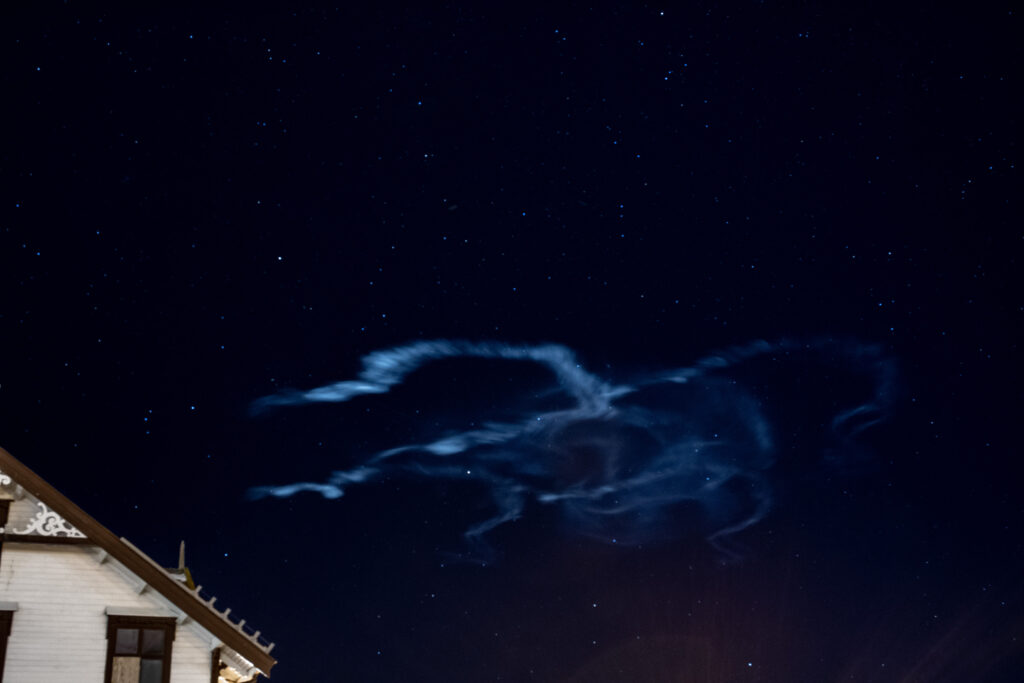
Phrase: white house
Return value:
(78, 604)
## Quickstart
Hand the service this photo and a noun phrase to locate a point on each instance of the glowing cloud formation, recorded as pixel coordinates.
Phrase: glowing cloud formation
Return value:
(619, 460)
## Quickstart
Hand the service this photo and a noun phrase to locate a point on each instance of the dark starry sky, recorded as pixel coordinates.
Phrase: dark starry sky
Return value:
(201, 208)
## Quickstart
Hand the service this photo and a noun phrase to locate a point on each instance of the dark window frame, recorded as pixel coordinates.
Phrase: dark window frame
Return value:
(6, 617)
(5, 509)
(215, 665)
(117, 621)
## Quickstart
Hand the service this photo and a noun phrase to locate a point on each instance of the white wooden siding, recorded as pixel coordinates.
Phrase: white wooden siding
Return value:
(58, 634)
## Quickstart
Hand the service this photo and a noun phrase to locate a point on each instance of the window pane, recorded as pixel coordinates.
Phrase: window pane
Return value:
(152, 671)
(127, 641)
(125, 670)
(153, 641)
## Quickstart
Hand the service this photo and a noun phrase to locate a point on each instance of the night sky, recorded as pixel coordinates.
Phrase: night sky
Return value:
(770, 250)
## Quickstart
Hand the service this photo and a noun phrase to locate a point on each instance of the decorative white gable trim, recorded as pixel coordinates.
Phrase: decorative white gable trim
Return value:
(47, 523)
(11, 489)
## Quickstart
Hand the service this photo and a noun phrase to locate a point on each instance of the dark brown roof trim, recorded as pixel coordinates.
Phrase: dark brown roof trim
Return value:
(139, 564)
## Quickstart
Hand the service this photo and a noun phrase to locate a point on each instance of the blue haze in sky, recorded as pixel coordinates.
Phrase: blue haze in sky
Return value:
(621, 461)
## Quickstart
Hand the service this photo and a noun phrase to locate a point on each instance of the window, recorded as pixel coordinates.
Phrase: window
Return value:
(139, 649)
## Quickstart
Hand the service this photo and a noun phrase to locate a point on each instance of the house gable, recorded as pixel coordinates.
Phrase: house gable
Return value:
(46, 526)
